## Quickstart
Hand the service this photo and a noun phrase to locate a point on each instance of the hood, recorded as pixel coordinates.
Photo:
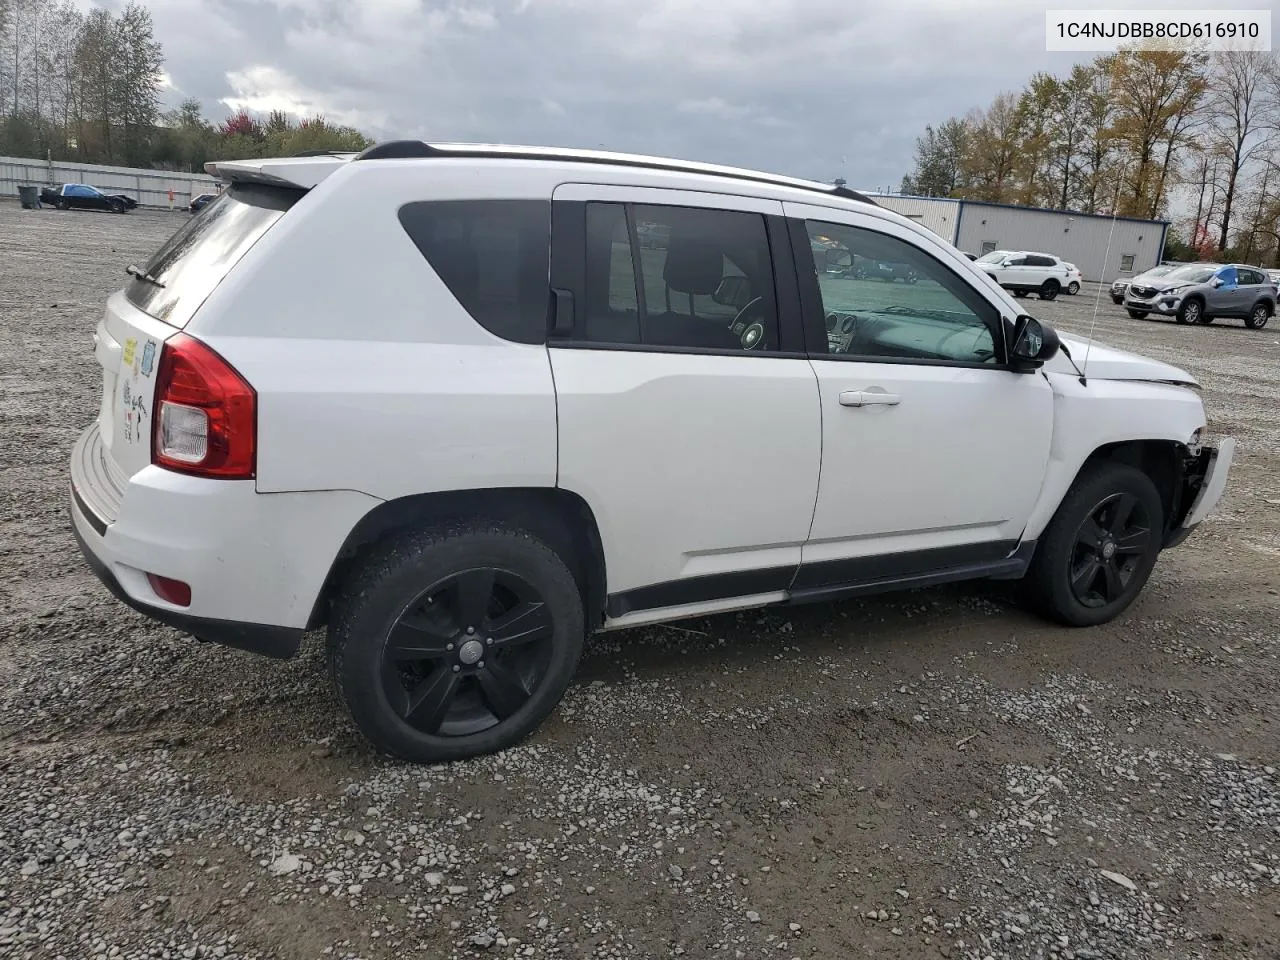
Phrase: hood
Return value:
(1108, 363)
(1160, 284)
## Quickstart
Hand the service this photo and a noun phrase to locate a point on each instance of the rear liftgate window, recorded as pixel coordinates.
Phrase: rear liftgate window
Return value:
(197, 258)
(493, 255)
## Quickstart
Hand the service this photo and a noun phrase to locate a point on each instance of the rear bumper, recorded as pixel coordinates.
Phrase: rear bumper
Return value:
(278, 642)
(256, 563)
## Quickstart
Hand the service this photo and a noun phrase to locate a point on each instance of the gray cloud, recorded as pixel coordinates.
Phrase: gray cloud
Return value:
(812, 88)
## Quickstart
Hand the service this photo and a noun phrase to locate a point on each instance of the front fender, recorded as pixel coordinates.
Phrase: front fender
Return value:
(1099, 414)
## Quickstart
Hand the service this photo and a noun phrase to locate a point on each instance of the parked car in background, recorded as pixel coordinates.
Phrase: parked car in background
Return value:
(1118, 288)
(1023, 271)
(1275, 277)
(81, 196)
(1075, 279)
(538, 434)
(199, 203)
(1202, 293)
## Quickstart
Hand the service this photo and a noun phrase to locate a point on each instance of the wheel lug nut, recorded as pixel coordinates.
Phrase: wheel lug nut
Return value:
(456, 668)
(448, 646)
(489, 641)
(470, 630)
(480, 664)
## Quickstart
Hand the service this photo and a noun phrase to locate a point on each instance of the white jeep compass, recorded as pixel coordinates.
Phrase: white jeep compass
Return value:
(464, 406)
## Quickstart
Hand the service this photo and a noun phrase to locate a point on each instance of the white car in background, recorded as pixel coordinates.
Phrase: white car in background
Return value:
(1075, 279)
(1023, 271)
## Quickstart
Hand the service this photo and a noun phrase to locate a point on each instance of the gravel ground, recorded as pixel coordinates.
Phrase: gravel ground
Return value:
(929, 774)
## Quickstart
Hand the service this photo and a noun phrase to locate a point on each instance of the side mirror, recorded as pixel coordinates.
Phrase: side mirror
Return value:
(733, 291)
(1034, 343)
(1218, 281)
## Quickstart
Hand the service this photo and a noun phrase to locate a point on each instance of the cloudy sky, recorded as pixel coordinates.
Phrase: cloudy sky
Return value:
(811, 88)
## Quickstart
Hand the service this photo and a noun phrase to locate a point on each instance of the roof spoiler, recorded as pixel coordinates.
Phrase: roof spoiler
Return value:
(300, 172)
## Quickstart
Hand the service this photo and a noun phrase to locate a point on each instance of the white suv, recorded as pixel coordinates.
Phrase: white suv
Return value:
(465, 406)
(1023, 271)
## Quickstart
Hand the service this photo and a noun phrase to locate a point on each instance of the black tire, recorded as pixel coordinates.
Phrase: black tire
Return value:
(1049, 289)
(1137, 314)
(1118, 301)
(61, 204)
(1062, 549)
(1073, 288)
(1191, 311)
(396, 582)
(1258, 316)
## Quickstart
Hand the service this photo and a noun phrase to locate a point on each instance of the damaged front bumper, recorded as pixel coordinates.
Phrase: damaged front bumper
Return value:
(1204, 480)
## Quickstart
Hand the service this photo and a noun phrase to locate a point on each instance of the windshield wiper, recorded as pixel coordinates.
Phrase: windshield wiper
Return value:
(142, 275)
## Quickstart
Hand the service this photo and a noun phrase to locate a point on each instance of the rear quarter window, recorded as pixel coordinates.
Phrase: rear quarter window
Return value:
(493, 255)
(200, 255)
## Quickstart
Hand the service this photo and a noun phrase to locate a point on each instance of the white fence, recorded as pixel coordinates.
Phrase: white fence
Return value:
(149, 187)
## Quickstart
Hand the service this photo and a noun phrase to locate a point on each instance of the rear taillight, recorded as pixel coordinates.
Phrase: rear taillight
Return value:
(205, 414)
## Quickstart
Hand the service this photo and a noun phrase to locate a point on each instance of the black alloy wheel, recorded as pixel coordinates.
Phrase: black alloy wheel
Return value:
(467, 653)
(1093, 559)
(1109, 549)
(455, 640)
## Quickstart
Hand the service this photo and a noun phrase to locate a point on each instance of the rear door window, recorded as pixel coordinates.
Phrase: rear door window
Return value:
(196, 259)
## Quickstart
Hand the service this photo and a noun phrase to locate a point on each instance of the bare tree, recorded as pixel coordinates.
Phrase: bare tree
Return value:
(1239, 120)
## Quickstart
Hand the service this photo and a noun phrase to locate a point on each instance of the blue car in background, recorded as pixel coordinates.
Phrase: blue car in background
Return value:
(200, 202)
(81, 196)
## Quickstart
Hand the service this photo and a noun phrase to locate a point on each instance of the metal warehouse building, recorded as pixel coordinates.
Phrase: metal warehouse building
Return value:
(1079, 238)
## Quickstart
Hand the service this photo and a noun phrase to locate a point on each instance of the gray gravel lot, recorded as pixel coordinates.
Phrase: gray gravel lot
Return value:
(929, 774)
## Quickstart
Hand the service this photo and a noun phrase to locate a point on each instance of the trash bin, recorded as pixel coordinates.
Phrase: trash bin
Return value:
(30, 197)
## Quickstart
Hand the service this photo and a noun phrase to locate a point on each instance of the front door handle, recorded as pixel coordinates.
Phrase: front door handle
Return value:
(866, 398)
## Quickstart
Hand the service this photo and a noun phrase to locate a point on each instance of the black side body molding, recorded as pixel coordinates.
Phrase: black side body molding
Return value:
(836, 580)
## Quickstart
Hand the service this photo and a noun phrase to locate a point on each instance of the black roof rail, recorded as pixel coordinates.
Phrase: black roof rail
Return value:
(405, 149)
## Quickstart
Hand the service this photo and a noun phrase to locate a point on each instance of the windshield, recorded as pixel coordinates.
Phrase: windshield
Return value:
(196, 259)
(1191, 274)
(995, 256)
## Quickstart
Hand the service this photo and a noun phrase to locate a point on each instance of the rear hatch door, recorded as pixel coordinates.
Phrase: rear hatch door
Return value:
(158, 300)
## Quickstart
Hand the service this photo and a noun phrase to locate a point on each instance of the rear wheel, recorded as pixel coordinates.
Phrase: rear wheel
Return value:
(1098, 551)
(450, 643)
(1073, 288)
(1191, 311)
(1138, 314)
(61, 203)
(1259, 316)
(1049, 289)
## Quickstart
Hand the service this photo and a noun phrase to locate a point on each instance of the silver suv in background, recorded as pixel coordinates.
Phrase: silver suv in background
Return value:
(1202, 293)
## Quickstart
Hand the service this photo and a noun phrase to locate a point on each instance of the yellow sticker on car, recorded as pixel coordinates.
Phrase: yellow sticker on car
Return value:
(130, 347)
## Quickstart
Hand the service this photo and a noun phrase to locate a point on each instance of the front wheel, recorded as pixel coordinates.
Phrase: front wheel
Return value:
(1049, 289)
(1191, 311)
(1098, 551)
(1138, 314)
(1259, 317)
(451, 643)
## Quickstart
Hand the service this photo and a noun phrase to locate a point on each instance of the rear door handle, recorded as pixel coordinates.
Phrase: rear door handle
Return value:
(866, 398)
